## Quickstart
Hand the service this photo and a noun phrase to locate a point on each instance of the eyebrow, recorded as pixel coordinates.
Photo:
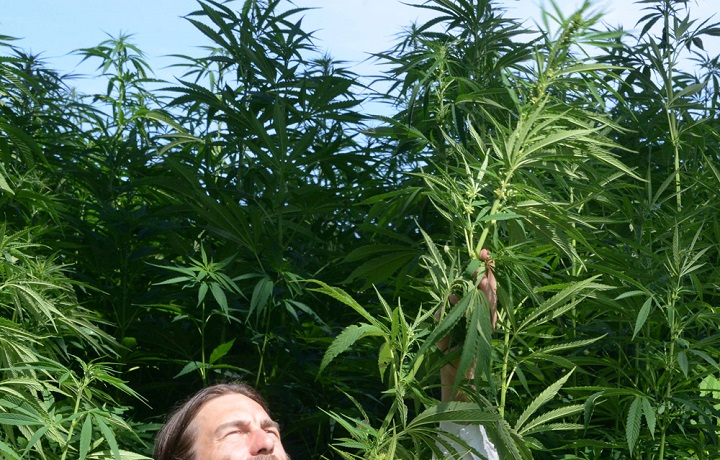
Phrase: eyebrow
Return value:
(267, 423)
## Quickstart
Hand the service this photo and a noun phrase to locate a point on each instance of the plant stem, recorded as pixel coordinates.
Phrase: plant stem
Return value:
(504, 378)
(496, 205)
(670, 98)
(81, 390)
(662, 444)
(203, 325)
(262, 350)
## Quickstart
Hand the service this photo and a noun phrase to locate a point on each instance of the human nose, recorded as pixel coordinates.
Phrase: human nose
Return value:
(261, 442)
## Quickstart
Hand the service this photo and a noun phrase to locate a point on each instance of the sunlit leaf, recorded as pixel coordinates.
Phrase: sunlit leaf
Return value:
(220, 351)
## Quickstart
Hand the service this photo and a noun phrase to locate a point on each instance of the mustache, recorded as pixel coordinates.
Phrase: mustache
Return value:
(270, 457)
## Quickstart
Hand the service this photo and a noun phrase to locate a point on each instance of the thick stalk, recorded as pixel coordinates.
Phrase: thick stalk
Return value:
(662, 444)
(576, 269)
(496, 206)
(670, 113)
(671, 360)
(675, 141)
(667, 397)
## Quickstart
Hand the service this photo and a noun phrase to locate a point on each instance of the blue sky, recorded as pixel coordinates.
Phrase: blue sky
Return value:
(347, 29)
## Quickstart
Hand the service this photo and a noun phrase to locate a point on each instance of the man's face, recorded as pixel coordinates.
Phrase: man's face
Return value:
(234, 427)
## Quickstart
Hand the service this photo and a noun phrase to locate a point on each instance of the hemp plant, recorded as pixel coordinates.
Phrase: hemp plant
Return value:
(205, 276)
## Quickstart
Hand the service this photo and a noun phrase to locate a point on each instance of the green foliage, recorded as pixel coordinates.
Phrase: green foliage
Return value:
(402, 433)
(245, 223)
(49, 408)
(204, 275)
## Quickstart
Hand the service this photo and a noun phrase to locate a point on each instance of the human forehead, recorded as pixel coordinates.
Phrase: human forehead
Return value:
(233, 407)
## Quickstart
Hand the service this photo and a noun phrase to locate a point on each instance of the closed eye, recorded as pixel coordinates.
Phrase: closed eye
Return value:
(233, 432)
(227, 429)
(272, 427)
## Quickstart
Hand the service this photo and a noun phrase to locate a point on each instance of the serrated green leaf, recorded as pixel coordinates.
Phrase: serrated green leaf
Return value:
(108, 434)
(547, 395)
(706, 357)
(499, 217)
(18, 420)
(561, 302)
(36, 438)
(202, 292)
(650, 417)
(380, 268)
(260, 296)
(627, 294)
(7, 450)
(346, 339)
(189, 367)
(538, 424)
(85, 437)
(176, 280)
(344, 297)
(642, 316)
(589, 407)
(446, 324)
(384, 359)
(219, 296)
(4, 185)
(458, 412)
(634, 420)
(689, 90)
(683, 362)
(567, 346)
(307, 310)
